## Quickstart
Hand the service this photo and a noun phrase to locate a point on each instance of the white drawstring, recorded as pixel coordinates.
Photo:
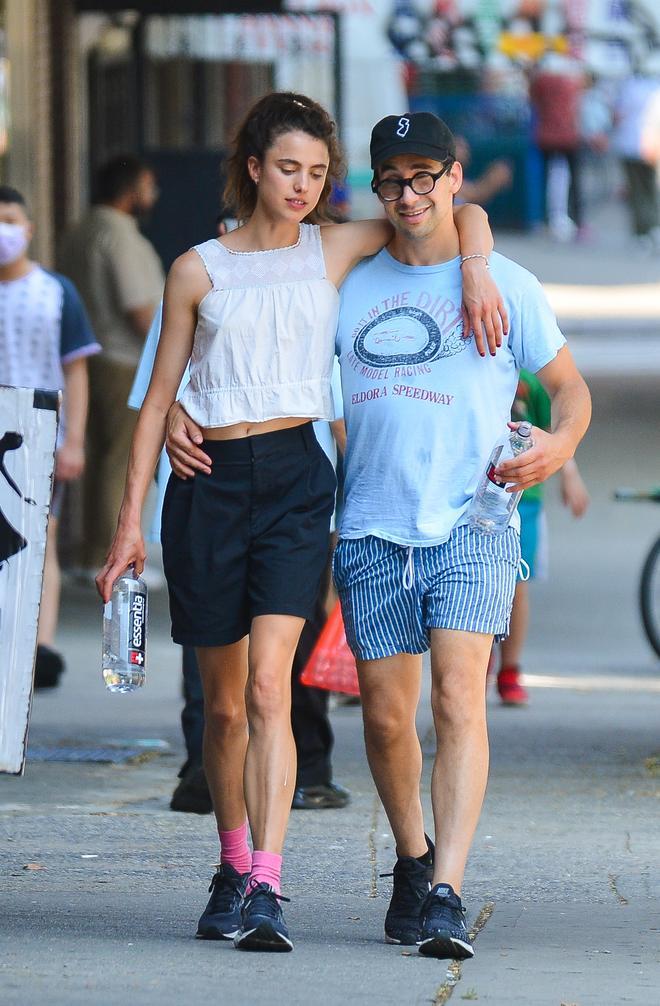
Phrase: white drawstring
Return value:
(522, 566)
(409, 571)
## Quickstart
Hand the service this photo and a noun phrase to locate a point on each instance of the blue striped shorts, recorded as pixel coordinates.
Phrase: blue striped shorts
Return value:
(392, 595)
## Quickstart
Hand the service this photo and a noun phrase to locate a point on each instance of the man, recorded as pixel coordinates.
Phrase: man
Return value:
(45, 339)
(120, 278)
(423, 408)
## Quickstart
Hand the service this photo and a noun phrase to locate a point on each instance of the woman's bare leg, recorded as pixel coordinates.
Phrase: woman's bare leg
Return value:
(270, 763)
(223, 671)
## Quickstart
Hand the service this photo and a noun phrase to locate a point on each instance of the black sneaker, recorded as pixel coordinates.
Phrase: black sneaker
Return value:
(320, 797)
(444, 933)
(221, 919)
(412, 883)
(262, 922)
(48, 667)
(192, 794)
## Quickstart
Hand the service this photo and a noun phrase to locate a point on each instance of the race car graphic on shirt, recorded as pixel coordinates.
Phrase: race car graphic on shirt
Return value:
(409, 335)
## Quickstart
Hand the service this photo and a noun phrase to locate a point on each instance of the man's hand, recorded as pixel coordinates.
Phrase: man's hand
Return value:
(537, 464)
(574, 493)
(69, 462)
(484, 312)
(182, 436)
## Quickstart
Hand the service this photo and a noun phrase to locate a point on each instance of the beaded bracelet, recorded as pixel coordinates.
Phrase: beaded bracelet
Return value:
(466, 258)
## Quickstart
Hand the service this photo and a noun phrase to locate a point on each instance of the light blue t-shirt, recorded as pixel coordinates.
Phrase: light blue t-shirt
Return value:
(423, 410)
(139, 390)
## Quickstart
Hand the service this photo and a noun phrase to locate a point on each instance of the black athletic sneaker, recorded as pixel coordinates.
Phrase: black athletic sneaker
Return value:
(192, 794)
(412, 883)
(221, 919)
(444, 933)
(262, 922)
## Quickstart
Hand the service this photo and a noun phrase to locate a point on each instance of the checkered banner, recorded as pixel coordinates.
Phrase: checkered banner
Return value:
(28, 429)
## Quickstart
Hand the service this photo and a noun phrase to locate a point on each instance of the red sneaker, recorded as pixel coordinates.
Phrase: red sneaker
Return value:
(510, 689)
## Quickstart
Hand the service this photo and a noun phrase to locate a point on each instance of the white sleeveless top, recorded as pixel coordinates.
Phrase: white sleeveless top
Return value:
(265, 337)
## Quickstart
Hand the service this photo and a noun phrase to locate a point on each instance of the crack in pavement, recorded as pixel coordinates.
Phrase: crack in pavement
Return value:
(613, 878)
(373, 893)
(455, 969)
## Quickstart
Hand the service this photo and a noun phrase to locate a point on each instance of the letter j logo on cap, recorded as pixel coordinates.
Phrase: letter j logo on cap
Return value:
(404, 126)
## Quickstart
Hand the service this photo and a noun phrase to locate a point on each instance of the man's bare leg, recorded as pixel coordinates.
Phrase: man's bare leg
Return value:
(458, 785)
(390, 694)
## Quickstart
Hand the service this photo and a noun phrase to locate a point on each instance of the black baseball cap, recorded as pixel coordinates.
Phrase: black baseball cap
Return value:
(413, 133)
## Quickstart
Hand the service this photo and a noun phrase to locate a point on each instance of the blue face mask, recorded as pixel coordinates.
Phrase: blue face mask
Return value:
(13, 242)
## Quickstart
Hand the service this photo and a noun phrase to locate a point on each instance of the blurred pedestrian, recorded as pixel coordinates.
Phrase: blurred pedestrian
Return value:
(636, 140)
(45, 340)
(120, 278)
(556, 91)
(532, 404)
(495, 178)
(245, 541)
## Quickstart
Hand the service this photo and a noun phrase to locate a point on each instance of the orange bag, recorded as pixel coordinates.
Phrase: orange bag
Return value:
(331, 664)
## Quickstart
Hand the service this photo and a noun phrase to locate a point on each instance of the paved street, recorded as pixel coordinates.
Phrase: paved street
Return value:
(563, 881)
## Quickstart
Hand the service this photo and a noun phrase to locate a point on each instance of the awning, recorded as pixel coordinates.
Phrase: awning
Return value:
(182, 6)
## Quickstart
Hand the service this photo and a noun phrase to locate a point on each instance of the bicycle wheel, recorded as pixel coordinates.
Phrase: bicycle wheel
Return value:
(649, 596)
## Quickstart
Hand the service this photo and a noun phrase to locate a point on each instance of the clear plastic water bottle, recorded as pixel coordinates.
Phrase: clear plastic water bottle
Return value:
(492, 506)
(125, 634)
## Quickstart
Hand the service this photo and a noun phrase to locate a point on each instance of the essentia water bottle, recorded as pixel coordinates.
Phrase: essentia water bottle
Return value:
(492, 506)
(125, 634)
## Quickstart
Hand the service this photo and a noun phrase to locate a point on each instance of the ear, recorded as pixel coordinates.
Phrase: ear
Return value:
(455, 177)
(254, 169)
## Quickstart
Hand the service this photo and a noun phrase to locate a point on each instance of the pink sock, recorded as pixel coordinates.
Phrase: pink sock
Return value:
(234, 848)
(266, 869)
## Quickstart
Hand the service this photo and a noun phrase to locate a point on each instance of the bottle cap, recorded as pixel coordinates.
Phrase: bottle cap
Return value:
(524, 430)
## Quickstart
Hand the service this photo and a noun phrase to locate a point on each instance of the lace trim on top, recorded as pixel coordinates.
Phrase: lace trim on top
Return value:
(263, 251)
(303, 261)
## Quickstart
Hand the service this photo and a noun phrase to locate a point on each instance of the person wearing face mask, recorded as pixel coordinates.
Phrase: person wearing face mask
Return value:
(45, 340)
(121, 279)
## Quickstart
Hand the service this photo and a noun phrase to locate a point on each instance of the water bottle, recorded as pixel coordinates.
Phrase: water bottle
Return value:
(492, 506)
(125, 634)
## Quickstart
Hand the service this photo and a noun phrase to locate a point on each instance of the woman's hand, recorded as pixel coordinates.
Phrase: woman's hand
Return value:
(484, 313)
(127, 549)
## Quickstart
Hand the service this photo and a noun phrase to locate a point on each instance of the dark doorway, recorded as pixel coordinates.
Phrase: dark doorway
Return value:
(177, 101)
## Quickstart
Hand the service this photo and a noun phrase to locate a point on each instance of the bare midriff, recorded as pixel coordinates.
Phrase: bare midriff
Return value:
(239, 430)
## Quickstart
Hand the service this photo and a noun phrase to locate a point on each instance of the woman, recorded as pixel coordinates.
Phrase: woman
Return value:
(244, 543)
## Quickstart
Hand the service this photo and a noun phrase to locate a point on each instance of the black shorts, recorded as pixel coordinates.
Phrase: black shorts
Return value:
(249, 539)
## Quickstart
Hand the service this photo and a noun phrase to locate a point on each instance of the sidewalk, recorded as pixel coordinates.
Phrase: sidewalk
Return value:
(562, 884)
(605, 292)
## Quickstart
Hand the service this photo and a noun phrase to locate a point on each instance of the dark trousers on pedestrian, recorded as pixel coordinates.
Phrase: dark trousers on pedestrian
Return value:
(642, 193)
(309, 706)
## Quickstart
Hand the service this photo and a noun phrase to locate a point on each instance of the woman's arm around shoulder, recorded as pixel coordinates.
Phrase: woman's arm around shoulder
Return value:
(344, 245)
(484, 312)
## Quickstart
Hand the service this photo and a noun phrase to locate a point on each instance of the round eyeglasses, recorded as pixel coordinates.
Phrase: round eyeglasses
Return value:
(391, 189)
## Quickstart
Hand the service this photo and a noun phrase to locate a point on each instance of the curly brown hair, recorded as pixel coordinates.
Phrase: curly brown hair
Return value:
(273, 115)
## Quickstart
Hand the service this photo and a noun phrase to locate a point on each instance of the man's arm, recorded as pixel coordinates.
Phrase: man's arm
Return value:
(70, 459)
(571, 413)
(338, 428)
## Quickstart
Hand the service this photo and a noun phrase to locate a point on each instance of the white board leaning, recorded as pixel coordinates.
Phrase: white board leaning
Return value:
(28, 430)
